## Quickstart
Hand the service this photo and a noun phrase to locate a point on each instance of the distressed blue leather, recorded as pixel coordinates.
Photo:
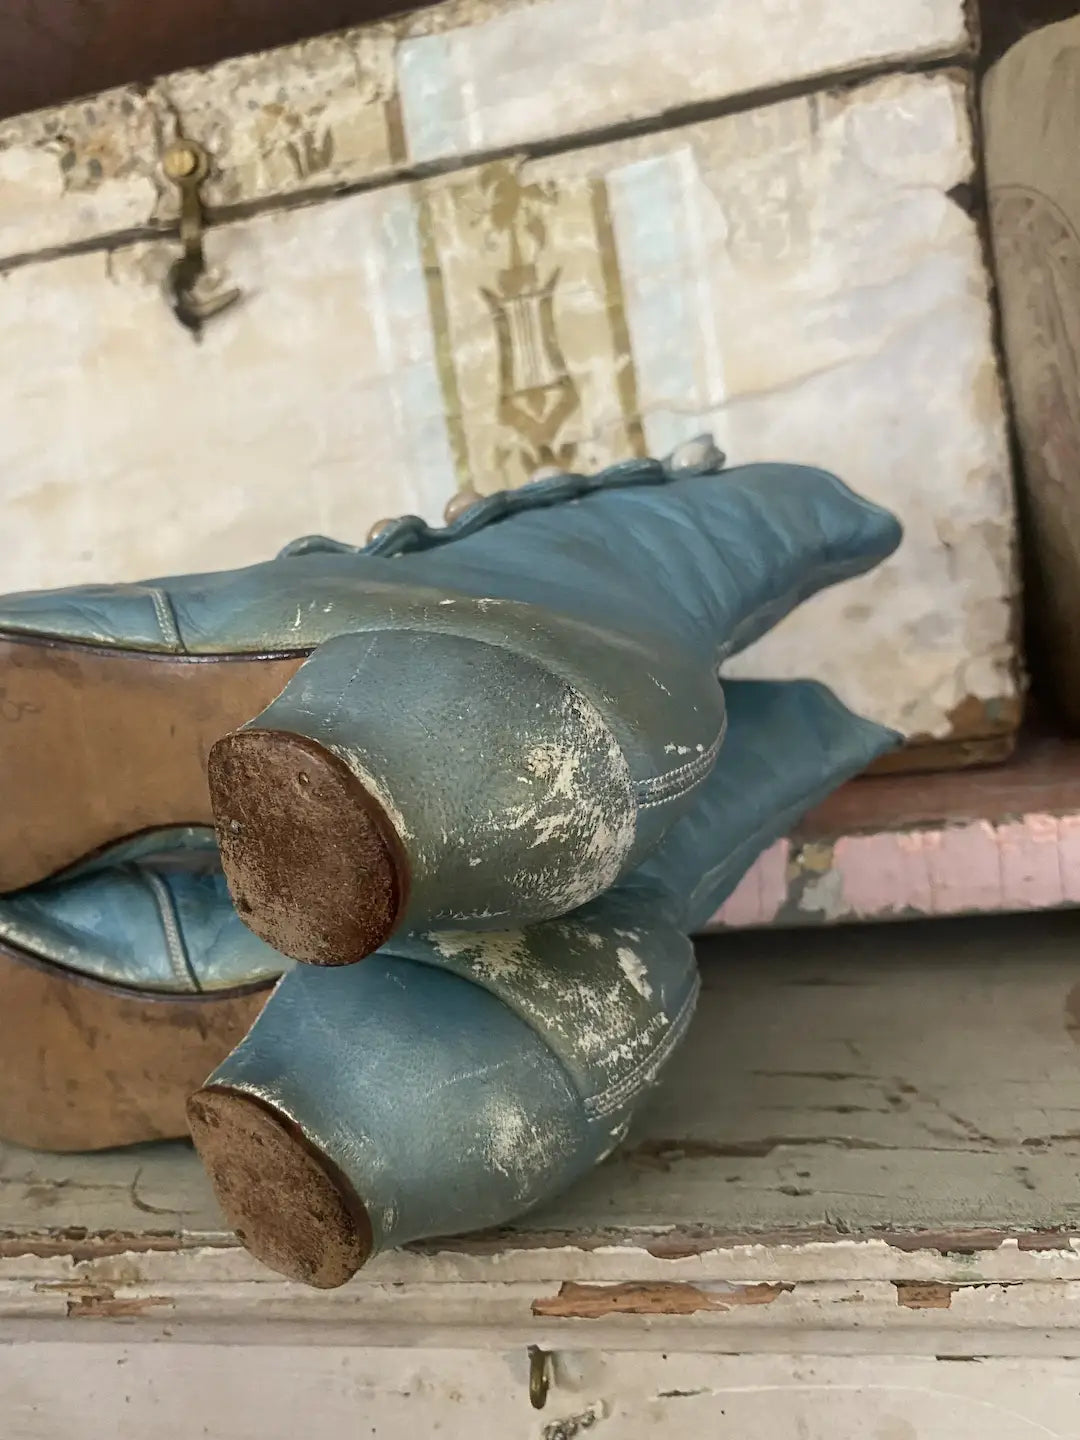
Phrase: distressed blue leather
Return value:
(458, 1078)
(531, 700)
(150, 914)
(706, 561)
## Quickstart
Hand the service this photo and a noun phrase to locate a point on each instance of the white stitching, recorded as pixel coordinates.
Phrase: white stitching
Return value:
(692, 773)
(669, 777)
(616, 1094)
(675, 794)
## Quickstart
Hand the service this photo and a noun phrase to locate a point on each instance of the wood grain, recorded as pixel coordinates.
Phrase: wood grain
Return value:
(913, 1083)
(86, 1066)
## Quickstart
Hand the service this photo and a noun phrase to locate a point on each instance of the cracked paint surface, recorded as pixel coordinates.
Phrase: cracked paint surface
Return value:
(978, 867)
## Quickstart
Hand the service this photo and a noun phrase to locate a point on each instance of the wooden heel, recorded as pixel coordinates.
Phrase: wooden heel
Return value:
(315, 867)
(289, 1205)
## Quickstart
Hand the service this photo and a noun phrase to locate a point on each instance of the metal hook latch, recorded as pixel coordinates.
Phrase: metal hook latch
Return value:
(187, 164)
(539, 1376)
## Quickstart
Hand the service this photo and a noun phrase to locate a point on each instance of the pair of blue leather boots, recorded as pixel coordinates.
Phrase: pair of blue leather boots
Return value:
(493, 763)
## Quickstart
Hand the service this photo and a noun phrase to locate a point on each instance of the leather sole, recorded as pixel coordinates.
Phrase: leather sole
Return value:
(87, 1066)
(289, 1205)
(315, 866)
(98, 744)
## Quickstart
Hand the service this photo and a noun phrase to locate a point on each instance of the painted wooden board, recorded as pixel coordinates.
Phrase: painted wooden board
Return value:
(126, 1391)
(449, 83)
(844, 1086)
(789, 277)
(861, 1169)
(889, 848)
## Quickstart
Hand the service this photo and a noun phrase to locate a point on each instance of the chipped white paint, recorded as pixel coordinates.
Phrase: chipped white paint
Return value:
(446, 83)
(844, 1216)
(978, 867)
(581, 810)
(590, 1014)
(512, 1145)
(270, 1392)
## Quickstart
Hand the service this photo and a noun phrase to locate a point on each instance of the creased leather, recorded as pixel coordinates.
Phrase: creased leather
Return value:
(705, 563)
(149, 914)
(458, 1079)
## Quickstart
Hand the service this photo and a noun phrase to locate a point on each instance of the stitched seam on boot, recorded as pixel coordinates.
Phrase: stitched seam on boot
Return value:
(166, 618)
(597, 1106)
(182, 968)
(659, 789)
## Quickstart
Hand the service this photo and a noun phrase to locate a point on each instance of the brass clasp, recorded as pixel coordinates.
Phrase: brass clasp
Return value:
(187, 164)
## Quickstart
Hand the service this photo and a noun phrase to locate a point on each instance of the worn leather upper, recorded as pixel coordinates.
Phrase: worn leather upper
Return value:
(458, 1078)
(149, 914)
(153, 913)
(707, 561)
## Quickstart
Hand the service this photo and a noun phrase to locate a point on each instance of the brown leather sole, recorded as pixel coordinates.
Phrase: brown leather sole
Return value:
(289, 1205)
(88, 1066)
(314, 864)
(96, 744)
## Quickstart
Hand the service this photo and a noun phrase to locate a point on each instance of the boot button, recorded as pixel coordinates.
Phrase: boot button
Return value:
(699, 456)
(459, 503)
(377, 529)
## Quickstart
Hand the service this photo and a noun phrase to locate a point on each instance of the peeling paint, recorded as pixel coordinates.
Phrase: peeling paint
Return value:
(496, 954)
(571, 1426)
(90, 1301)
(975, 867)
(597, 1302)
(924, 1294)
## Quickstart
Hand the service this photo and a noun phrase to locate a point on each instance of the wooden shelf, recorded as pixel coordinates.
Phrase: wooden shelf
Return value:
(864, 1161)
(919, 1083)
(986, 841)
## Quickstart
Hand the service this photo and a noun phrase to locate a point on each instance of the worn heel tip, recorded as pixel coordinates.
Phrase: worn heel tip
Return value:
(315, 867)
(289, 1205)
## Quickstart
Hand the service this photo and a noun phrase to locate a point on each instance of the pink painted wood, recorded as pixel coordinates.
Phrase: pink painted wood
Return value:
(985, 842)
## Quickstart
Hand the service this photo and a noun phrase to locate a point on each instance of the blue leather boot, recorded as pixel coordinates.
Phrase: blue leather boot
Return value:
(499, 719)
(122, 984)
(457, 1078)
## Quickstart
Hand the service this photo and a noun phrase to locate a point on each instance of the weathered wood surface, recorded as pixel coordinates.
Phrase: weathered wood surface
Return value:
(129, 1391)
(862, 1166)
(905, 1083)
(789, 277)
(447, 83)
